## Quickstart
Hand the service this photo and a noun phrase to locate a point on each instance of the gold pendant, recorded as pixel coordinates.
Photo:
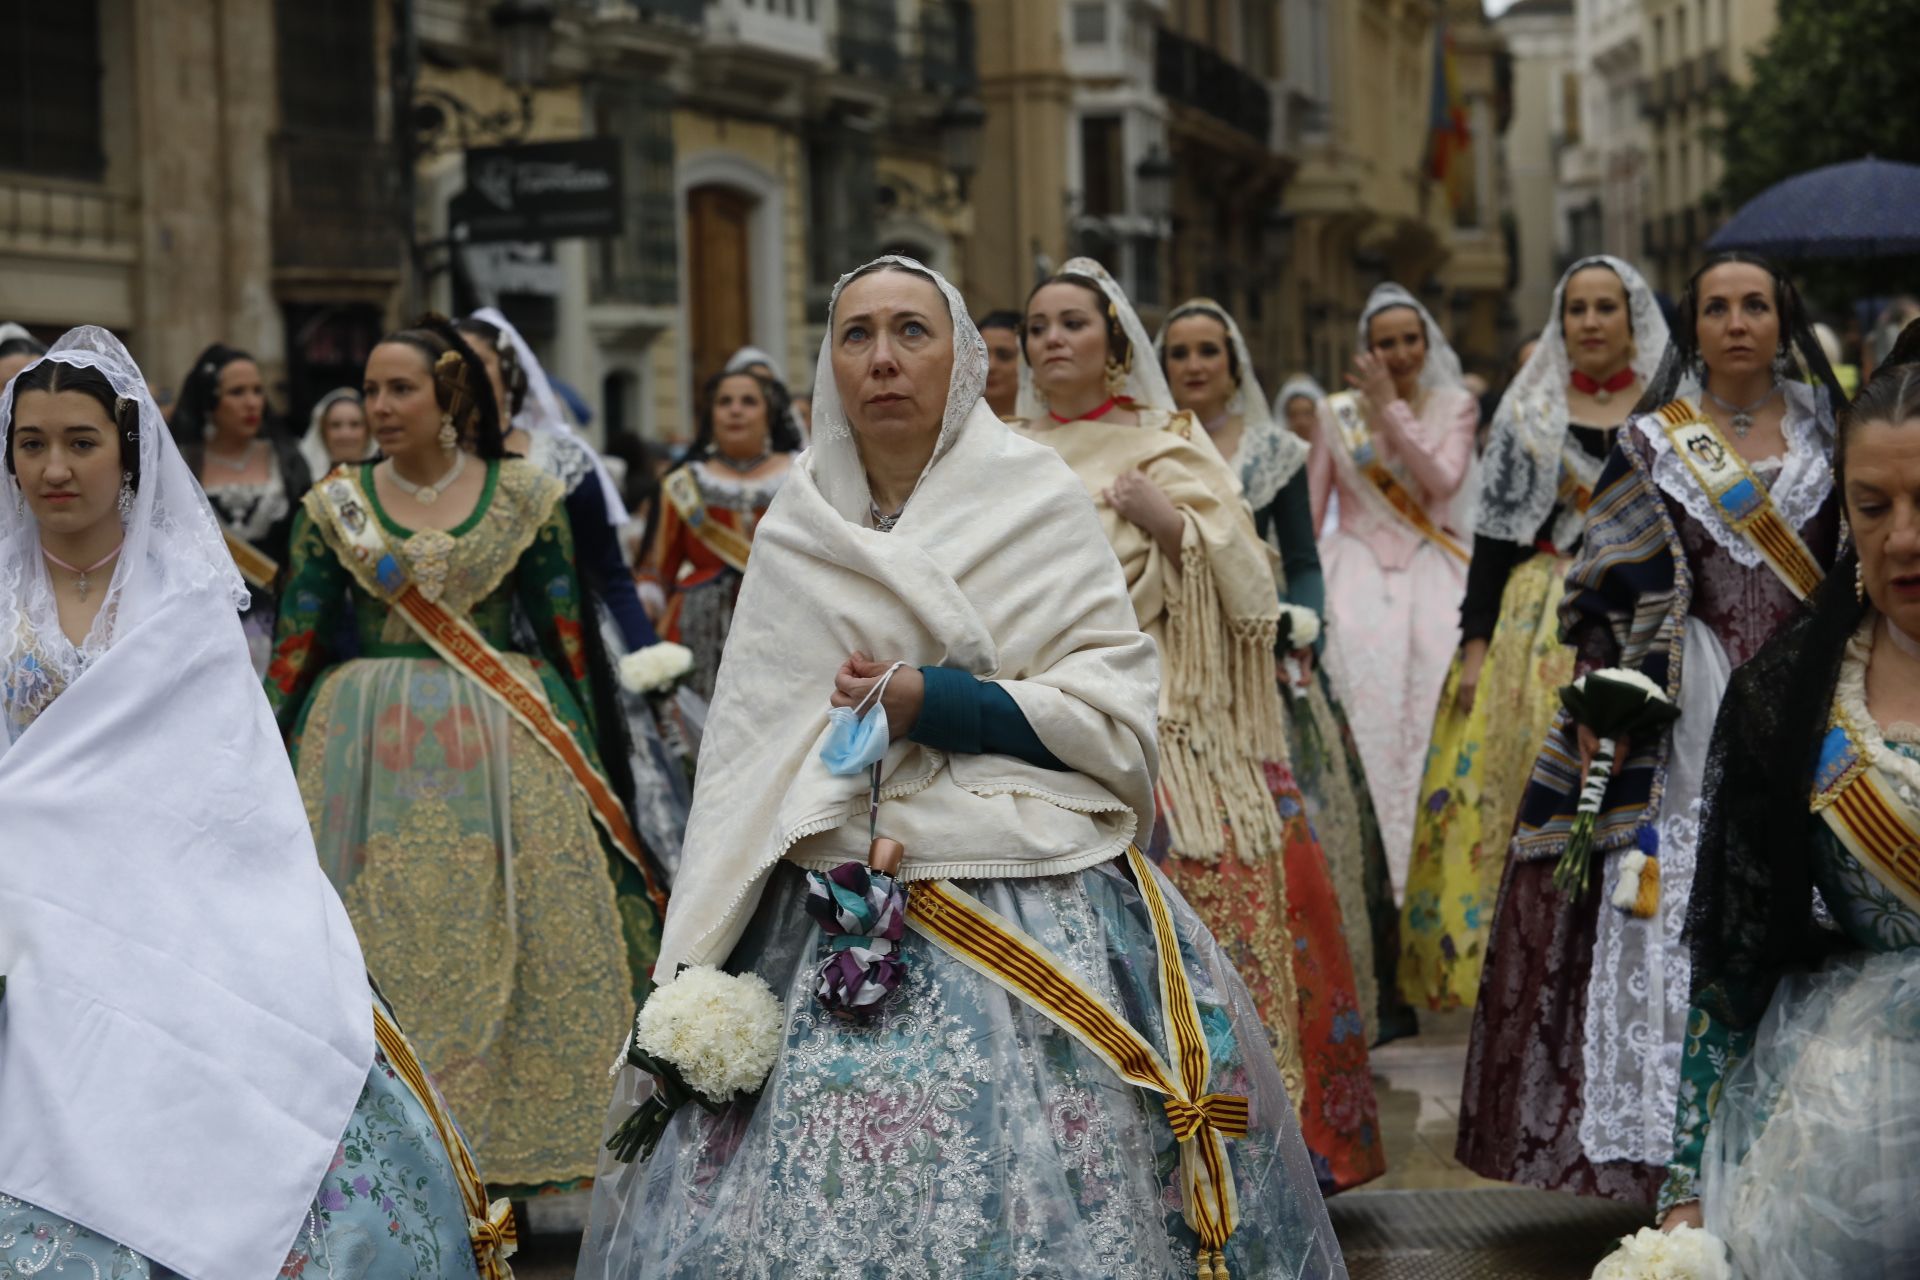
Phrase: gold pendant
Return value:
(427, 496)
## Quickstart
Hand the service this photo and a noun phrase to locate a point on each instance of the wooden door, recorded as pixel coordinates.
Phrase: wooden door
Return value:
(720, 280)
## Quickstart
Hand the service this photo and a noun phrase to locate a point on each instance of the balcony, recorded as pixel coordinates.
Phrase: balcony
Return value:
(779, 30)
(868, 42)
(1653, 97)
(1193, 75)
(947, 65)
(691, 12)
(332, 209)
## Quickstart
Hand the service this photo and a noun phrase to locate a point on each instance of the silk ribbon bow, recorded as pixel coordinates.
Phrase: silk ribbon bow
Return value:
(496, 1231)
(1225, 1113)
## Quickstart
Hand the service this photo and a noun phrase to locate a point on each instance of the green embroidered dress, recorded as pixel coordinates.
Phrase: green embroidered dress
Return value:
(510, 935)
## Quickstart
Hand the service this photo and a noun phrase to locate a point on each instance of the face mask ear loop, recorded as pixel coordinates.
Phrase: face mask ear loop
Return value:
(873, 790)
(874, 694)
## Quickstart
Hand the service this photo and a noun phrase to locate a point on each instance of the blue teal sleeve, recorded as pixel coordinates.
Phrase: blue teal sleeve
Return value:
(965, 716)
(603, 568)
(1299, 556)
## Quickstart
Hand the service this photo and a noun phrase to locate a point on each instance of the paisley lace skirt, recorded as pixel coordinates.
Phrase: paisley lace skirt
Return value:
(1812, 1163)
(511, 943)
(1477, 766)
(962, 1134)
(388, 1209)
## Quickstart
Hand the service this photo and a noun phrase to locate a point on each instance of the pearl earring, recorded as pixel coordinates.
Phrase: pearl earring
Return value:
(449, 438)
(1859, 582)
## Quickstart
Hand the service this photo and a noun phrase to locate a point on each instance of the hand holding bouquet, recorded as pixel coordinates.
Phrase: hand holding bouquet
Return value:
(1685, 1253)
(1612, 703)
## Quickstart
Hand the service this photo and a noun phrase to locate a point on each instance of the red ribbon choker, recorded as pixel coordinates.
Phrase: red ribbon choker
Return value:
(1593, 386)
(1097, 414)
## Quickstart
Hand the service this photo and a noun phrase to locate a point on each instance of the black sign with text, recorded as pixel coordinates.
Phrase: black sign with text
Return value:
(539, 191)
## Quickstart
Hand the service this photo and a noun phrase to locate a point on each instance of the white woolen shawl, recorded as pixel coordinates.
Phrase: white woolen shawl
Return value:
(187, 1025)
(997, 567)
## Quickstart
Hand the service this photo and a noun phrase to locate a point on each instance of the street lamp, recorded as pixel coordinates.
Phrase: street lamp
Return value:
(524, 30)
(1153, 185)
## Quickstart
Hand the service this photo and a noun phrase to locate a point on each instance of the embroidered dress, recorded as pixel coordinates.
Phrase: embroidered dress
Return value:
(1790, 1125)
(1578, 1030)
(1478, 762)
(701, 586)
(508, 932)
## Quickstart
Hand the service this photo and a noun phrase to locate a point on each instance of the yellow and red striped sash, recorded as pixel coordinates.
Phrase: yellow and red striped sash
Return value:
(683, 491)
(1007, 956)
(1352, 422)
(490, 1226)
(1738, 497)
(1866, 813)
(461, 646)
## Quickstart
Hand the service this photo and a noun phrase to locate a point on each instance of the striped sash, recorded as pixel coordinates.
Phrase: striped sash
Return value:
(490, 1226)
(1007, 956)
(1352, 423)
(1738, 497)
(1866, 812)
(461, 646)
(683, 491)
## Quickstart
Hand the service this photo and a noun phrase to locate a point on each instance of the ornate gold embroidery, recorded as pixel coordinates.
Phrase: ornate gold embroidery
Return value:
(430, 554)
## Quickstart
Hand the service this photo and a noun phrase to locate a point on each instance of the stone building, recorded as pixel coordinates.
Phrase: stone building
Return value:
(1604, 171)
(1247, 150)
(1546, 123)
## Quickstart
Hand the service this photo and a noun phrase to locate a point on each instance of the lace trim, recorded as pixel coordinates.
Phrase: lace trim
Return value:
(251, 510)
(565, 457)
(1797, 483)
(735, 494)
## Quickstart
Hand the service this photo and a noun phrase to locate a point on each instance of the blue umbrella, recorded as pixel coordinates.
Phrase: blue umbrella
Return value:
(1861, 209)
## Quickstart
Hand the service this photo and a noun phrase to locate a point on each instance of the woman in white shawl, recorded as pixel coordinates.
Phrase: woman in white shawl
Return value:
(194, 1075)
(1398, 448)
(959, 1130)
(1551, 433)
(337, 432)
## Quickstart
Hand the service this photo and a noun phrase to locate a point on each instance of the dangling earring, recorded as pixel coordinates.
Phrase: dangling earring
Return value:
(125, 501)
(1781, 365)
(449, 438)
(1859, 580)
(1116, 377)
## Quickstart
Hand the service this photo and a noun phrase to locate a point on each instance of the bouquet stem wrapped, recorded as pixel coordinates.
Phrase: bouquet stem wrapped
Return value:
(1613, 703)
(863, 910)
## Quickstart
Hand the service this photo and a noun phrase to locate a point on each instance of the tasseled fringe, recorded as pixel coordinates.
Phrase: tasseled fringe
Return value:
(1224, 719)
(1638, 891)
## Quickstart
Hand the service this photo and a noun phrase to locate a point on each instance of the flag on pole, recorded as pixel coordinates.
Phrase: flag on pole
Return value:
(1448, 136)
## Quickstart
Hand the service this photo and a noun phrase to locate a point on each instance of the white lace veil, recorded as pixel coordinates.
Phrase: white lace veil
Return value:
(173, 543)
(541, 414)
(1520, 471)
(1442, 368)
(1145, 384)
(1298, 385)
(1269, 453)
(834, 454)
(313, 445)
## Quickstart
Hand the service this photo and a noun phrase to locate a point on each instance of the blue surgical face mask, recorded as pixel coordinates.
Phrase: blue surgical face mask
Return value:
(857, 737)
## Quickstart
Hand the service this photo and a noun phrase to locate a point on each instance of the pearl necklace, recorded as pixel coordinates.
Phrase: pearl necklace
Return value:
(246, 456)
(1901, 640)
(428, 494)
(739, 466)
(80, 575)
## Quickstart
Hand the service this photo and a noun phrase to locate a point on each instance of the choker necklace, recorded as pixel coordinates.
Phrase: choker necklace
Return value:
(1901, 640)
(739, 466)
(80, 575)
(1095, 416)
(428, 494)
(1742, 414)
(1602, 391)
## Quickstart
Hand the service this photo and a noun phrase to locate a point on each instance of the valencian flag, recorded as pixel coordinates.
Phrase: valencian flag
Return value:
(1448, 136)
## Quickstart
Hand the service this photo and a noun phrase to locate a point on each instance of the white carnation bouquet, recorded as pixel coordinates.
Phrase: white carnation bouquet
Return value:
(1613, 703)
(1299, 627)
(704, 1036)
(1685, 1253)
(656, 668)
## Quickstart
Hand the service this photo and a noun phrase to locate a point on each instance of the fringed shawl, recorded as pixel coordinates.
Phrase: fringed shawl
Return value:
(1215, 617)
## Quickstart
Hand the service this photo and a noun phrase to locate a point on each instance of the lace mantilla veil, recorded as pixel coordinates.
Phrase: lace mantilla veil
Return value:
(835, 456)
(1145, 384)
(173, 545)
(1520, 470)
(1442, 369)
(542, 415)
(1269, 453)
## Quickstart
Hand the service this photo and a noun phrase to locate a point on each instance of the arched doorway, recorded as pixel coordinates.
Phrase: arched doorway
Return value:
(720, 275)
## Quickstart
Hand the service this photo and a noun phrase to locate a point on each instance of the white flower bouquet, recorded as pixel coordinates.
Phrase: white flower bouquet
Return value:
(1613, 703)
(1685, 1253)
(704, 1036)
(1299, 627)
(656, 668)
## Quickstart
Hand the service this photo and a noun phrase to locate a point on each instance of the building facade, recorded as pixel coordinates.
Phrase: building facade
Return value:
(1604, 172)
(1546, 125)
(1694, 47)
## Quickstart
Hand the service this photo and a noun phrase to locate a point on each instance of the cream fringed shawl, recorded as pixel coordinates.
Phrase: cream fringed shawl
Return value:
(1215, 616)
(997, 567)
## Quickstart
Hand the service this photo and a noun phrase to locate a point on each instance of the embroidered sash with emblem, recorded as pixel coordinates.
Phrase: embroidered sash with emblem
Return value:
(1738, 497)
(1865, 811)
(459, 643)
(683, 491)
(1352, 423)
(1003, 953)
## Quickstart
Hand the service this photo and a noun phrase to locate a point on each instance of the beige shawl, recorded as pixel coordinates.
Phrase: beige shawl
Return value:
(996, 567)
(1214, 614)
